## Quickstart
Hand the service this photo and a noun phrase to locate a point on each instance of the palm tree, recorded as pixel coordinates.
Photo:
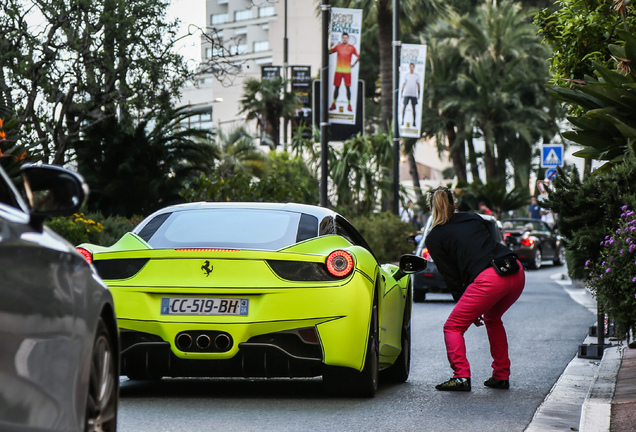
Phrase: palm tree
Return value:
(267, 101)
(505, 67)
(140, 171)
(239, 153)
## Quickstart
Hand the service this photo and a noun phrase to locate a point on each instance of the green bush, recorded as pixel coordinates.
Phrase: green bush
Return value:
(386, 233)
(92, 228)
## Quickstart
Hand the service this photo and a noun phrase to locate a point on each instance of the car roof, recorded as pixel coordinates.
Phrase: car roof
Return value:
(319, 212)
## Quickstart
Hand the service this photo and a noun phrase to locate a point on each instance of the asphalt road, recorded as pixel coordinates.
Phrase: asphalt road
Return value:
(544, 327)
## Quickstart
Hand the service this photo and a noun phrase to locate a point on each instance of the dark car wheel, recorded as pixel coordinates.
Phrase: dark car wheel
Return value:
(536, 262)
(559, 258)
(419, 296)
(399, 371)
(350, 382)
(103, 390)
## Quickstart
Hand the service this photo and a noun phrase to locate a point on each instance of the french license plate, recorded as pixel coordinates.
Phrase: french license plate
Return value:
(204, 306)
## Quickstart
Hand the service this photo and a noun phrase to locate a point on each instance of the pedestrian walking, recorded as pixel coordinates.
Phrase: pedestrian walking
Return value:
(485, 278)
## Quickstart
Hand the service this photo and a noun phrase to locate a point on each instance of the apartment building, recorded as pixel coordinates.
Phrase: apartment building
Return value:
(253, 33)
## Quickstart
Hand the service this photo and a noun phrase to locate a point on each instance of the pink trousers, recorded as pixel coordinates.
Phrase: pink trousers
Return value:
(490, 296)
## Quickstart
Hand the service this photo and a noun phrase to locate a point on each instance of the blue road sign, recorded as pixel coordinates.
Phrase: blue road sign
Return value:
(551, 155)
(550, 174)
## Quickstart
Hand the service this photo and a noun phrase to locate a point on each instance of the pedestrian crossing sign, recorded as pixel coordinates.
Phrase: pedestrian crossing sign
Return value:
(551, 155)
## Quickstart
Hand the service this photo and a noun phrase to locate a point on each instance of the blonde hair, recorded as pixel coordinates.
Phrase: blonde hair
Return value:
(442, 205)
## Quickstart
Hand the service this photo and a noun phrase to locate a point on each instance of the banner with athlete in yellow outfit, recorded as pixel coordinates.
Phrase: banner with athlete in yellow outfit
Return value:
(346, 28)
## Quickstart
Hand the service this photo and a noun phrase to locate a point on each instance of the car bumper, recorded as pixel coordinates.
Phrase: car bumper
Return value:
(271, 334)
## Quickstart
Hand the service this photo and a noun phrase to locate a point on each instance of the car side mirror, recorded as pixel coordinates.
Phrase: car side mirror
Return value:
(410, 264)
(52, 191)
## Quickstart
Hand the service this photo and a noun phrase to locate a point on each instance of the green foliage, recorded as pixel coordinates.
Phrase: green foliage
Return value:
(607, 127)
(588, 209)
(612, 277)
(144, 170)
(580, 33)
(92, 228)
(386, 233)
(83, 61)
(495, 195)
(267, 101)
(289, 180)
(77, 228)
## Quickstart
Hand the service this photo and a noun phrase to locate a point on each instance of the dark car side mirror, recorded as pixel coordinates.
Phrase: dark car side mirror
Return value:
(410, 264)
(52, 191)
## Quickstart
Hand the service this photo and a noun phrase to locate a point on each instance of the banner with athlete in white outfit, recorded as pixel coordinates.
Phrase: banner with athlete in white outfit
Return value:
(411, 91)
(346, 28)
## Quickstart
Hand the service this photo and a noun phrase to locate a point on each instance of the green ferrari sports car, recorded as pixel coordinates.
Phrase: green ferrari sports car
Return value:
(257, 290)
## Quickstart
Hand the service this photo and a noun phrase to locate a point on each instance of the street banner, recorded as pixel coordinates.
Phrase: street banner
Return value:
(411, 90)
(344, 54)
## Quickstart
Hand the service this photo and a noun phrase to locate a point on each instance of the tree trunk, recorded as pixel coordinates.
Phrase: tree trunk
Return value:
(385, 37)
(414, 176)
(457, 152)
(472, 159)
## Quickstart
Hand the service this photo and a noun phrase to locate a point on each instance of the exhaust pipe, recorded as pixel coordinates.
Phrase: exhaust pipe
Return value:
(222, 342)
(184, 341)
(203, 341)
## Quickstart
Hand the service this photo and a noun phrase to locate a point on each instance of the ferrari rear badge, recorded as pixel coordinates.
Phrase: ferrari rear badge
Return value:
(207, 268)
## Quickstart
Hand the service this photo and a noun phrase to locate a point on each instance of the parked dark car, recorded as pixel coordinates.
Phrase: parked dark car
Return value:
(59, 352)
(430, 280)
(534, 241)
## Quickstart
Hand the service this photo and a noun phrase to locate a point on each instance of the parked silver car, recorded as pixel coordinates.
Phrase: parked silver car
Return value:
(59, 352)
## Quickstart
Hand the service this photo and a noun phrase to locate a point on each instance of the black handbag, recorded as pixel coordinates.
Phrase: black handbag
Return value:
(506, 265)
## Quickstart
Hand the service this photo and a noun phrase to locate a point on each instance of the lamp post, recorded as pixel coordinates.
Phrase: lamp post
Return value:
(325, 9)
(396, 88)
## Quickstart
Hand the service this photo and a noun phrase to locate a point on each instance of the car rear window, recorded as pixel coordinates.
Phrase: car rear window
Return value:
(230, 228)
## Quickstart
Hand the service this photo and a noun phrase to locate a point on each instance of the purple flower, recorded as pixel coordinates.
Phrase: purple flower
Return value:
(587, 263)
(611, 240)
(621, 251)
(608, 270)
(629, 213)
(634, 280)
(631, 248)
(624, 208)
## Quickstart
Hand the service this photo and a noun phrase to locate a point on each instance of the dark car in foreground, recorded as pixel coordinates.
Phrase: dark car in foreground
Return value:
(534, 241)
(431, 280)
(58, 337)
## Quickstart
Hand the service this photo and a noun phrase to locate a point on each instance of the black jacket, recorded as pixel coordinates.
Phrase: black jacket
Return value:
(462, 248)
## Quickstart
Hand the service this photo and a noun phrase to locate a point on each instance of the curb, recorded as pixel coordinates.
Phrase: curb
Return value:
(597, 408)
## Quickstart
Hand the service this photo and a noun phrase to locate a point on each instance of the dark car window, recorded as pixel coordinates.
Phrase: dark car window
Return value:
(6, 194)
(230, 228)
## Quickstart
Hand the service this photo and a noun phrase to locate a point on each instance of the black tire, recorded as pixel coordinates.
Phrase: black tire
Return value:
(536, 262)
(419, 296)
(559, 258)
(103, 388)
(399, 371)
(350, 382)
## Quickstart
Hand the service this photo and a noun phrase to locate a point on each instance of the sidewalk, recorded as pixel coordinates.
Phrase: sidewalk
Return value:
(591, 395)
(624, 403)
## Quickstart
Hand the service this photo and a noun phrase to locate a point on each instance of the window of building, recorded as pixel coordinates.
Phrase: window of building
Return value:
(266, 11)
(201, 120)
(243, 15)
(238, 49)
(219, 19)
(261, 46)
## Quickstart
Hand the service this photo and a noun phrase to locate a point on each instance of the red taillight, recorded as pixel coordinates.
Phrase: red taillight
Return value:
(339, 263)
(86, 254)
(507, 234)
(308, 335)
(425, 254)
(527, 242)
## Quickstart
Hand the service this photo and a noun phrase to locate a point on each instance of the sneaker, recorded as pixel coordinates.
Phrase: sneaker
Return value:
(498, 384)
(349, 107)
(332, 107)
(455, 384)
